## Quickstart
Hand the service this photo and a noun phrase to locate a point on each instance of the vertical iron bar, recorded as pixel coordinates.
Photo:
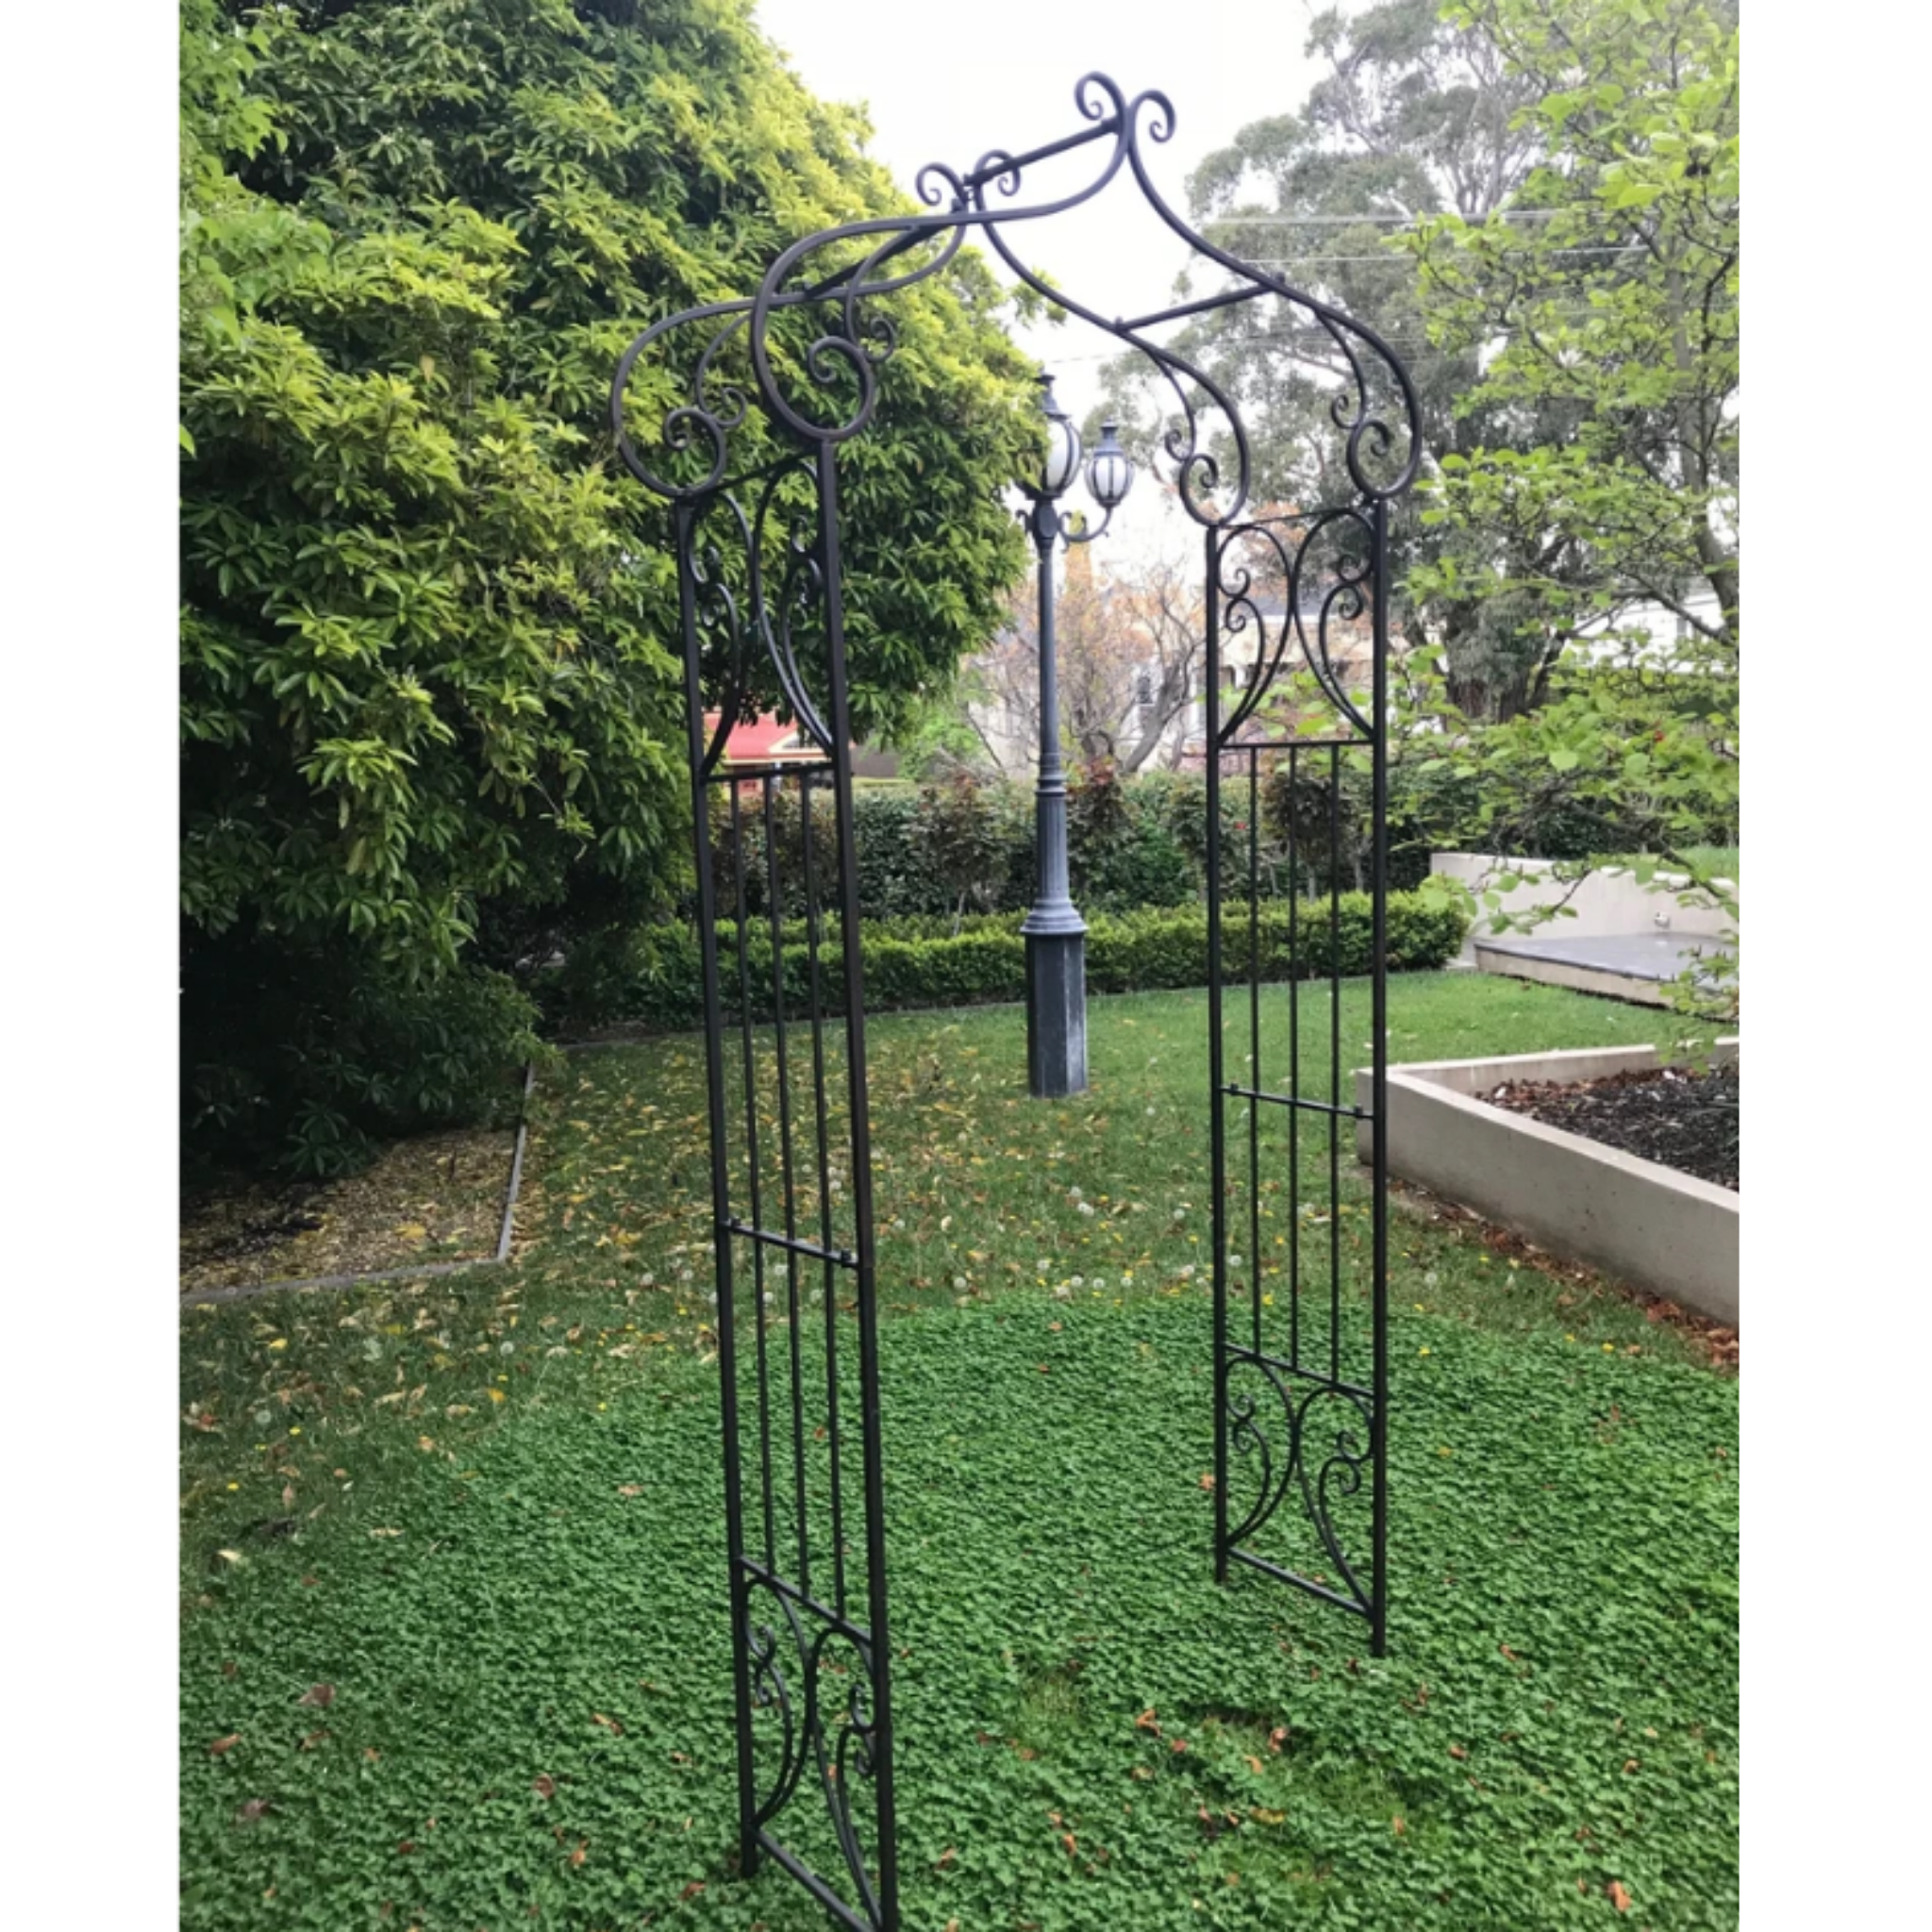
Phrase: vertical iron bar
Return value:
(1334, 1062)
(830, 1288)
(684, 523)
(840, 727)
(774, 914)
(1217, 1098)
(753, 1189)
(1255, 1037)
(1294, 1065)
(1378, 1103)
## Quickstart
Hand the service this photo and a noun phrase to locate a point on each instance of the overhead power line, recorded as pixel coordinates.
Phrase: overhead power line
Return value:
(1390, 259)
(1501, 214)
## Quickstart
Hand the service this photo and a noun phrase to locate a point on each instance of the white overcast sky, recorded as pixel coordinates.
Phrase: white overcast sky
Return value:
(948, 84)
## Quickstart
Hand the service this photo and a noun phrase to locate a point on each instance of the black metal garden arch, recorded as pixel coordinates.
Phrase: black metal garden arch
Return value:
(750, 469)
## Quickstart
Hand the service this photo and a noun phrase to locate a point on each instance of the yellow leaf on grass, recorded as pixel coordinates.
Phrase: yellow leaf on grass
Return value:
(498, 1395)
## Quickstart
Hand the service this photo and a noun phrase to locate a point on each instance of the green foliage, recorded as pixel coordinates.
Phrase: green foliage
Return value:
(1618, 761)
(1616, 309)
(961, 841)
(430, 707)
(1411, 113)
(942, 961)
(1120, 850)
(1559, 1713)
(1138, 843)
(321, 1069)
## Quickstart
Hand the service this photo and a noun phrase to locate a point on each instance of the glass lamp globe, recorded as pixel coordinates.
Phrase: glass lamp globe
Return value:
(1110, 471)
(1062, 444)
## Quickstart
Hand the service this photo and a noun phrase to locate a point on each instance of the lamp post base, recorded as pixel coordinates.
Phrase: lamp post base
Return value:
(1056, 1014)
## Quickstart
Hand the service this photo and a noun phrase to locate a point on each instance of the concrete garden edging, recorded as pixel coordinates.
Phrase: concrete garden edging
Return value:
(1635, 1218)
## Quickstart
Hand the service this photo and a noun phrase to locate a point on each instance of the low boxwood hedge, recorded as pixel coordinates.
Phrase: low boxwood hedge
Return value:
(657, 982)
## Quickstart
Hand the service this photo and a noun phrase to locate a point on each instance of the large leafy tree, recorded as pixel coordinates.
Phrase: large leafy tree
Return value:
(430, 711)
(1413, 115)
(1616, 308)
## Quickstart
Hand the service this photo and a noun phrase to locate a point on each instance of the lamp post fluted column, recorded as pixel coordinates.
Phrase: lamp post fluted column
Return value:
(1055, 934)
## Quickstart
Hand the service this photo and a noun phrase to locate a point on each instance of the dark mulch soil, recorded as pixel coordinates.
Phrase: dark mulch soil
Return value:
(1683, 1119)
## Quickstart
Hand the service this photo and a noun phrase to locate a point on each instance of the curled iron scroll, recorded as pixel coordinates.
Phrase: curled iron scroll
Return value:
(1296, 1455)
(826, 390)
(1344, 591)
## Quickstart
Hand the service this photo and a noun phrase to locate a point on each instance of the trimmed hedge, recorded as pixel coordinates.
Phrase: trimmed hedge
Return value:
(921, 962)
(1129, 845)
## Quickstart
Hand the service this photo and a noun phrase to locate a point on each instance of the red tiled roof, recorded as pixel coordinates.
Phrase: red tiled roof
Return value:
(753, 741)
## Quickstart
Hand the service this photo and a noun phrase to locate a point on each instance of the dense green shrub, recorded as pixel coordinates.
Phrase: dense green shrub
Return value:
(314, 1065)
(921, 963)
(431, 708)
(970, 847)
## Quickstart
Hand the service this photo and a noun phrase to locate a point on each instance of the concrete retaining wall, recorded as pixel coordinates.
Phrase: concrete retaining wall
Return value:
(1610, 901)
(1637, 1219)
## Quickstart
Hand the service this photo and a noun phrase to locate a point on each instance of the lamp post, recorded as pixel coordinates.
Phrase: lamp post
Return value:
(1055, 934)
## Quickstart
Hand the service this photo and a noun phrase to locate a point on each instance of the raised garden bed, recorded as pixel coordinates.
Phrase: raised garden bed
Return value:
(1678, 1116)
(1637, 1219)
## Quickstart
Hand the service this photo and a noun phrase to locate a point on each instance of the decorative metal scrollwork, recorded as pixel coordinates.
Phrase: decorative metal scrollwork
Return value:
(1293, 1456)
(743, 447)
(1375, 409)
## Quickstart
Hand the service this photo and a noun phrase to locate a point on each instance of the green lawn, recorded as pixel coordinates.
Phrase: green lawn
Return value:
(503, 1548)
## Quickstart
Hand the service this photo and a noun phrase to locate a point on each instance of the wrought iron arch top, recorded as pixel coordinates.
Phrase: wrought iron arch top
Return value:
(834, 392)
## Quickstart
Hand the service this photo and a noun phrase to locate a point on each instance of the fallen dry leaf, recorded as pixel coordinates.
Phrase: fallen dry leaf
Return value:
(609, 1723)
(248, 1814)
(320, 1695)
(544, 1787)
(1619, 1897)
(630, 1488)
(312, 1740)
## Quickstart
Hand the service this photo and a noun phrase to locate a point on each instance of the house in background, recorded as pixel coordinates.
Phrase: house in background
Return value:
(767, 739)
